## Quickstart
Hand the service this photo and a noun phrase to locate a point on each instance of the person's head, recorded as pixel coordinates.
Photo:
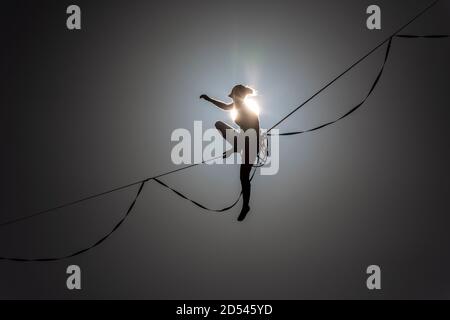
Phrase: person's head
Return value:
(240, 92)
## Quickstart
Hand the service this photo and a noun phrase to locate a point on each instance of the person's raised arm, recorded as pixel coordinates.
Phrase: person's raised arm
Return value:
(217, 103)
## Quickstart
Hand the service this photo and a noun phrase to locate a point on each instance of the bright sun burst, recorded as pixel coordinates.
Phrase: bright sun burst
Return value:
(250, 103)
(234, 114)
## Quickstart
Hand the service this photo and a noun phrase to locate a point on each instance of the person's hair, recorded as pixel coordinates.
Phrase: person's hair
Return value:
(242, 91)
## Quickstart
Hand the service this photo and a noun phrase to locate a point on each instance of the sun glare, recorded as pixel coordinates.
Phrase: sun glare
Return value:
(252, 104)
(234, 114)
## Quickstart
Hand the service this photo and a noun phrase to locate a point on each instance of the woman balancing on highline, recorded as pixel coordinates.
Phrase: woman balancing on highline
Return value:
(248, 121)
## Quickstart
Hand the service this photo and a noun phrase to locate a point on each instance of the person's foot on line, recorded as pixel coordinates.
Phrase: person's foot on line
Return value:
(243, 213)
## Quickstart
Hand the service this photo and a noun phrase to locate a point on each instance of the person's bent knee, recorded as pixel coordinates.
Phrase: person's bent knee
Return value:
(219, 125)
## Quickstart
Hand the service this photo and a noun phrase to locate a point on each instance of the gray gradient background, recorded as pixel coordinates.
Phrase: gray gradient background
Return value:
(85, 111)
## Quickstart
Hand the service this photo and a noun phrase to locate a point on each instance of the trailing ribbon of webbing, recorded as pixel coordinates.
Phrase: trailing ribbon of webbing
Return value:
(96, 244)
(198, 204)
(374, 84)
(121, 221)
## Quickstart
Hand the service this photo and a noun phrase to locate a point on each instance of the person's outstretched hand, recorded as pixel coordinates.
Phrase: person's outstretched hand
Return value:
(204, 96)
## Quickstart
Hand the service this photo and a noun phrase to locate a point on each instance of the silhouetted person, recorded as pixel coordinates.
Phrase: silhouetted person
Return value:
(246, 119)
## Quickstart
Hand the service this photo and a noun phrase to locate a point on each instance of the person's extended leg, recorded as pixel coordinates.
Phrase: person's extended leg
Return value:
(246, 188)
